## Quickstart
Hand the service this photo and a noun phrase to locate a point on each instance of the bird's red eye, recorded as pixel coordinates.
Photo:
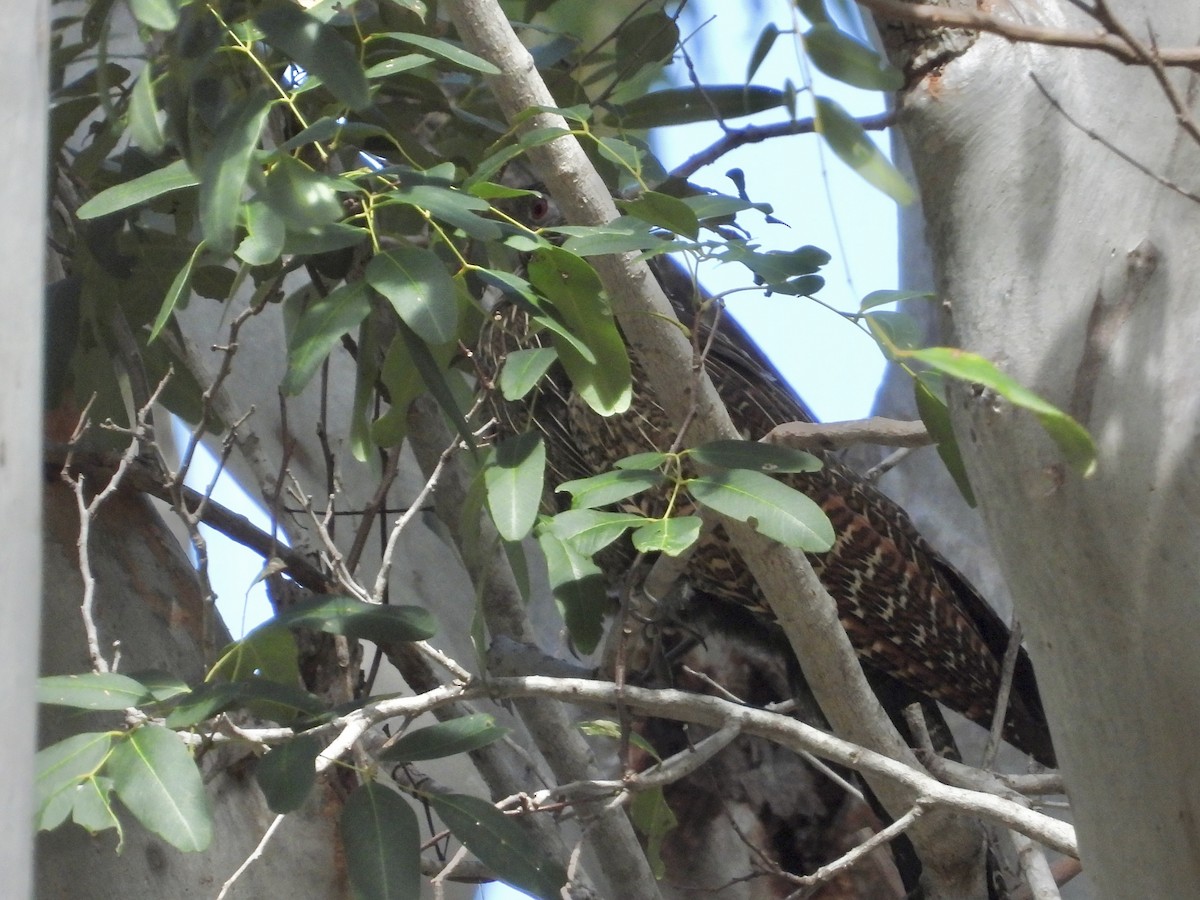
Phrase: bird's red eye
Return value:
(539, 208)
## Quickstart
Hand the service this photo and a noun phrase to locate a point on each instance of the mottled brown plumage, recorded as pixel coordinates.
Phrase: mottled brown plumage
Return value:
(908, 613)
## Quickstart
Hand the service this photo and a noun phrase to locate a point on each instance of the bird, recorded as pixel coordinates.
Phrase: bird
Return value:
(913, 619)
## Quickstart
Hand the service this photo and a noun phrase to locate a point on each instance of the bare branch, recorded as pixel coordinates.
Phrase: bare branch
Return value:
(973, 20)
(840, 435)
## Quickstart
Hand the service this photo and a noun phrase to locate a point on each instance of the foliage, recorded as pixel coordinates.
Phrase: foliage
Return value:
(346, 164)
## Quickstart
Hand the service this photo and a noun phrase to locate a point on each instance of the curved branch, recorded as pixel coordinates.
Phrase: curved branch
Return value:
(973, 20)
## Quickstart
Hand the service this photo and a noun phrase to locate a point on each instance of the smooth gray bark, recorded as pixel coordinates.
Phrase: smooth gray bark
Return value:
(1074, 271)
(22, 198)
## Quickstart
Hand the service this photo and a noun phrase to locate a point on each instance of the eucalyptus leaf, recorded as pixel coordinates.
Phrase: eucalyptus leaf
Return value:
(579, 590)
(358, 619)
(287, 774)
(768, 458)
(663, 211)
(318, 49)
(682, 106)
(842, 57)
(523, 369)
(172, 177)
(61, 768)
(92, 690)
(850, 142)
(226, 167)
(159, 783)
(382, 841)
(447, 51)
(610, 487)
(514, 484)
(671, 536)
(500, 844)
(417, 285)
(769, 506)
(320, 329)
(931, 406)
(591, 530)
(1072, 438)
(448, 738)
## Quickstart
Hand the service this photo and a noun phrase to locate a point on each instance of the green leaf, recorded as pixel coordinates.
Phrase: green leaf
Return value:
(622, 235)
(500, 844)
(610, 729)
(144, 126)
(769, 458)
(931, 406)
(359, 620)
(664, 211)
(523, 369)
(579, 590)
(226, 167)
(268, 651)
(770, 507)
(320, 329)
(398, 64)
(162, 15)
(60, 768)
(383, 844)
(287, 774)
(265, 235)
(337, 236)
(766, 40)
(848, 140)
(895, 331)
(173, 177)
(654, 819)
(610, 487)
(842, 57)
(92, 690)
(266, 699)
(181, 288)
(445, 739)
(459, 208)
(514, 484)
(573, 287)
(420, 289)
(159, 783)
(433, 373)
(651, 459)
(306, 200)
(1071, 437)
(202, 703)
(648, 40)
(590, 530)
(882, 298)
(446, 51)
(620, 153)
(161, 685)
(318, 49)
(680, 106)
(777, 268)
(670, 536)
(93, 809)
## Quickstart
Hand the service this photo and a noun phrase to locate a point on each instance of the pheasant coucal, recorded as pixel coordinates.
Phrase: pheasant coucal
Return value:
(910, 615)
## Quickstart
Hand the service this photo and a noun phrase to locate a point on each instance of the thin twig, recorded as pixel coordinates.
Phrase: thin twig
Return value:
(255, 854)
(853, 857)
(754, 134)
(1008, 668)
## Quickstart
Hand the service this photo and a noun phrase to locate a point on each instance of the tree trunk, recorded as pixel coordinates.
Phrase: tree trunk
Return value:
(1072, 270)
